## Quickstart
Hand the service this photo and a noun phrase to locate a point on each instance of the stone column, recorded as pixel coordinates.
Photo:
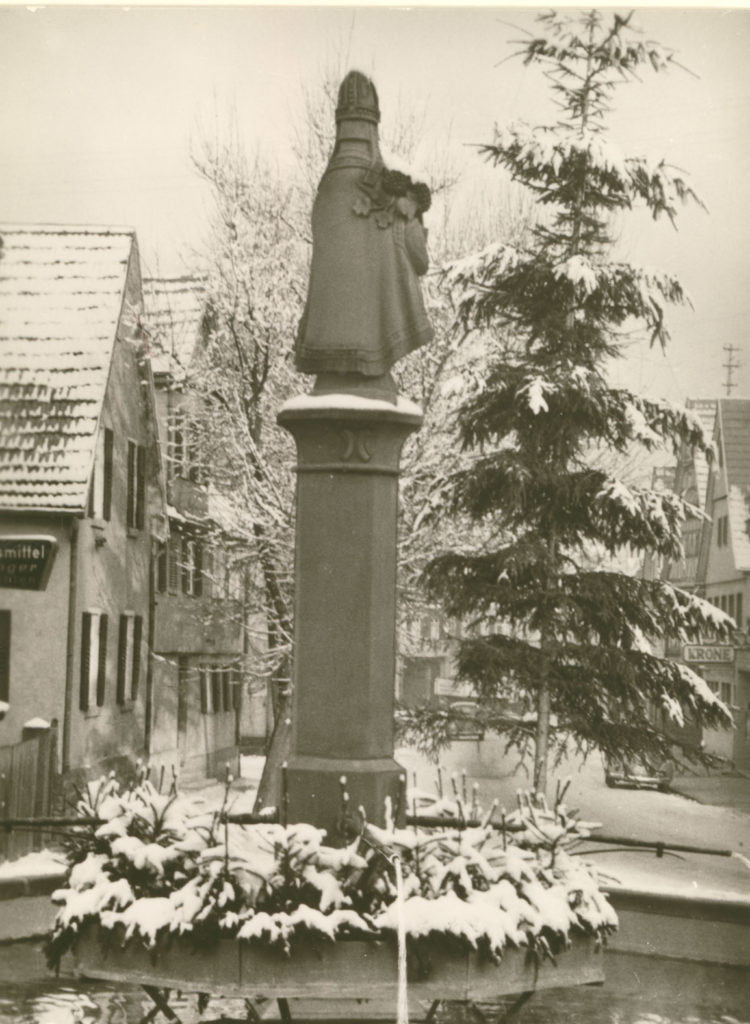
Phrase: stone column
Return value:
(348, 449)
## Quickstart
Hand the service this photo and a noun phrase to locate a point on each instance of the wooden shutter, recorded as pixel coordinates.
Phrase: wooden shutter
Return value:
(140, 486)
(236, 689)
(187, 561)
(215, 688)
(83, 701)
(226, 676)
(101, 678)
(130, 519)
(198, 568)
(137, 637)
(173, 573)
(122, 658)
(182, 693)
(109, 446)
(161, 568)
(5, 655)
(207, 564)
(203, 678)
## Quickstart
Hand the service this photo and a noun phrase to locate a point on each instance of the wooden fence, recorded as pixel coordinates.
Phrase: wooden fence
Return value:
(28, 788)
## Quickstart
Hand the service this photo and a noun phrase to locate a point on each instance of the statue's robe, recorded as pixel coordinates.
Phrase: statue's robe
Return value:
(364, 306)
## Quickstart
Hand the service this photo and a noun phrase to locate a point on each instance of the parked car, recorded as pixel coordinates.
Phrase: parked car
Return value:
(638, 772)
(464, 726)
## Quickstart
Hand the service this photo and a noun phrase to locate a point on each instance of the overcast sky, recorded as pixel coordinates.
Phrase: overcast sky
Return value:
(99, 107)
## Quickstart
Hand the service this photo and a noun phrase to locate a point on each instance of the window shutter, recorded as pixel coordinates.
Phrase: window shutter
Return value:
(162, 568)
(85, 656)
(187, 561)
(208, 566)
(739, 611)
(109, 445)
(101, 679)
(5, 655)
(226, 675)
(173, 574)
(130, 518)
(198, 568)
(122, 658)
(137, 637)
(91, 508)
(236, 689)
(203, 678)
(215, 688)
(182, 692)
(140, 486)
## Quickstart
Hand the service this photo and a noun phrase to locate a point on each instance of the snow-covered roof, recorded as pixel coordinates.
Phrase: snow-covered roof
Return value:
(61, 293)
(173, 310)
(734, 430)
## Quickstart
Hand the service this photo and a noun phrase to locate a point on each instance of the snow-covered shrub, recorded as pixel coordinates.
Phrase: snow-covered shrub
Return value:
(151, 868)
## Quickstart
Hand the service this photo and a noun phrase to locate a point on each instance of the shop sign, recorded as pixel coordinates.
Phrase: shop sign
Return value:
(26, 561)
(708, 653)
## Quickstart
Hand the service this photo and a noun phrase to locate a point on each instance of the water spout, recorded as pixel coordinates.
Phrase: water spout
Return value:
(402, 1005)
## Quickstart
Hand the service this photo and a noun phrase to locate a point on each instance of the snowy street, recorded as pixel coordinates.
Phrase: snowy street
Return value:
(631, 813)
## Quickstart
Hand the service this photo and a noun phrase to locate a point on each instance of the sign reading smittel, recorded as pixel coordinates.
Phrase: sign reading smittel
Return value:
(708, 653)
(26, 561)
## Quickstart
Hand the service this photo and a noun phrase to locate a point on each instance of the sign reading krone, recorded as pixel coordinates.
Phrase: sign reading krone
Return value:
(708, 653)
(26, 561)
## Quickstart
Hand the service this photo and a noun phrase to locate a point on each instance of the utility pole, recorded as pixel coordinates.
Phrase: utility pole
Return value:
(730, 366)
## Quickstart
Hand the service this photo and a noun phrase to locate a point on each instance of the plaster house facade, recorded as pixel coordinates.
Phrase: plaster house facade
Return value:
(80, 465)
(207, 705)
(716, 563)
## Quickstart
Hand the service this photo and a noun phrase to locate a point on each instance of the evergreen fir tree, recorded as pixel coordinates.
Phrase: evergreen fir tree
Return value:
(569, 638)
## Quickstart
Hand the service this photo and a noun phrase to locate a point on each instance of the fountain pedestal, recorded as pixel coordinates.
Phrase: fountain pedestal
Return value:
(348, 449)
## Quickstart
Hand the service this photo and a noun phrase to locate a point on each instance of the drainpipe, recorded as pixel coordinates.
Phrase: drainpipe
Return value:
(149, 660)
(70, 651)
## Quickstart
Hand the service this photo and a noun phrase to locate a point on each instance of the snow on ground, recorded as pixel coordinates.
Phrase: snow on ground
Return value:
(41, 862)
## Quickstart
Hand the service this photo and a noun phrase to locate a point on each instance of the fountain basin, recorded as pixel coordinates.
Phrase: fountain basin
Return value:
(333, 970)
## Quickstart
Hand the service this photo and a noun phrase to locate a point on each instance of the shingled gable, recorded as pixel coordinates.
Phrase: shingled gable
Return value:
(62, 293)
(733, 429)
(173, 313)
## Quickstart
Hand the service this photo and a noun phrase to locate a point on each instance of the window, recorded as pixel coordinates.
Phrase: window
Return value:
(725, 692)
(216, 688)
(226, 682)
(738, 611)
(129, 657)
(204, 676)
(5, 656)
(184, 457)
(176, 443)
(236, 689)
(722, 531)
(162, 568)
(192, 567)
(100, 496)
(220, 688)
(93, 659)
(730, 605)
(691, 542)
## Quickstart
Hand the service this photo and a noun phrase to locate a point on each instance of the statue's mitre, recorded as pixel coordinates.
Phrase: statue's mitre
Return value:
(358, 99)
